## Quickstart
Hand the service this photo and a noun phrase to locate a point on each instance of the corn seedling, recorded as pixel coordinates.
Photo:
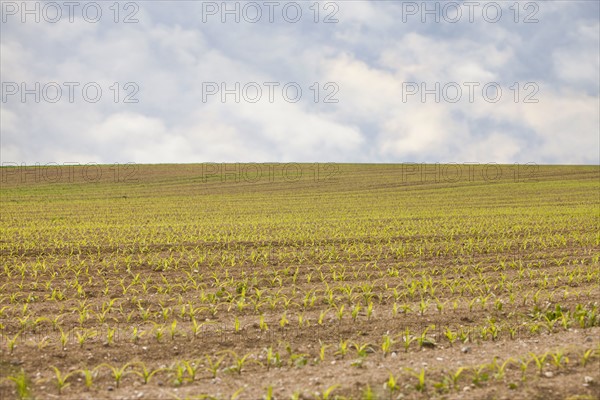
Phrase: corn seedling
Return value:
(355, 310)
(118, 372)
(362, 350)
(424, 341)
(408, 339)
(83, 336)
(191, 368)
(480, 375)
(272, 358)
(159, 331)
(269, 394)
(12, 342)
(342, 348)
(88, 377)
(322, 315)
(179, 370)
(145, 373)
(450, 335)
(212, 366)
(22, 384)
(392, 385)
(323, 347)
(386, 345)
(500, 368)
(64, 339)
(420, 385)
(559, 359)
(587, 356)
(327, 392)
(453, 378)
(262, 324)
(340, 312)
(524, 365)
(368, 394)
(539, 361)
(61, 380)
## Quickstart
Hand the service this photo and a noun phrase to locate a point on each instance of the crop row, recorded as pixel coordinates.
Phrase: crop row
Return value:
(209, 367)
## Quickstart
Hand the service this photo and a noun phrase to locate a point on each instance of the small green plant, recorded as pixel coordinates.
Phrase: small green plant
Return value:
(454, 377)
(88, 377)
(342, 348)
(480, 375)
(269, 394)
(524, 365)
(362, 349)
(327, 392)
(500, 368)
(392, 385)
(439, 305)
(423, 340)
(173, 330)
(420, 385)
(539, 361)
(273, 358)
(179, 370)
(355, 310)
(236, 394)
(368, 393)
(64, 338)
(340, 312)
(159, 332)
(12, 342)
(386, 346)
(136, 334)
(212, 366)
(191, 368)
(423, 306)
(284, 320)
(559, 359)
(587, 356)
(145, 373)
(322, 349)
(239, 361)
(322, 316)
(450, 335)
(118, 373)
(408, 339)
(42, 343)
(61, 380)
(83, 336)
(262, 324)
(22, 383)
(110, 335)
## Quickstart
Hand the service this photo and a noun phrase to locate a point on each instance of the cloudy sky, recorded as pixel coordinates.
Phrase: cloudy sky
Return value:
(340, 81)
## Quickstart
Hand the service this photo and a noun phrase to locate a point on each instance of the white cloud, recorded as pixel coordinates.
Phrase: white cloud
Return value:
(369, 54)
(576, 66)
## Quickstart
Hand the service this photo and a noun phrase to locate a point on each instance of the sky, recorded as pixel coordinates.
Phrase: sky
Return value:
(305, 81)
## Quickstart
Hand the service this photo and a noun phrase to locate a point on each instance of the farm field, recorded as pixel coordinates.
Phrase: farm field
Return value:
(306, 281)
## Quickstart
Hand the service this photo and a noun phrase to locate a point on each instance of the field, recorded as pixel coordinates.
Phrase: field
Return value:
(300, 281)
